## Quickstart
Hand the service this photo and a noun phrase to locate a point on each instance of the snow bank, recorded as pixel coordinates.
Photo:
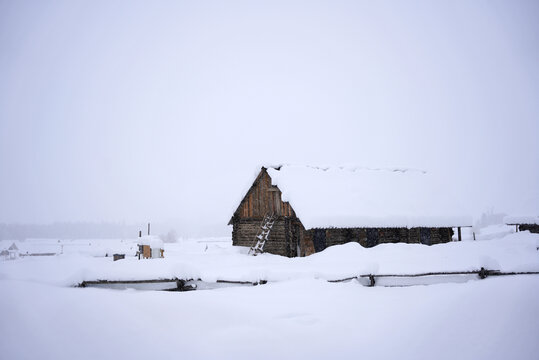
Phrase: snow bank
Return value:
(218, 260)
(301, 319)
(361, 197)
(298, 311)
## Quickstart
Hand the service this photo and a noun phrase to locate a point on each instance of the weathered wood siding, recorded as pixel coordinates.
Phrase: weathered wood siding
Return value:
(263, 198)
(533, 228)
(369, 237)
(283, 238)
(306, 240)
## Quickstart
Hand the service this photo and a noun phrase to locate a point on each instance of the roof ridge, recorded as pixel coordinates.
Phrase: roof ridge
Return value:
(350, 168)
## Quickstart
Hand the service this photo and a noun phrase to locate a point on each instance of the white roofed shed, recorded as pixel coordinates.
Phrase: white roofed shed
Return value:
(151, 247)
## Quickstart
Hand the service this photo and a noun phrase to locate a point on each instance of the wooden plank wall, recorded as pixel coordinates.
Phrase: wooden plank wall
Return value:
(262, 199)
(307, 245)
(533, 228)
(279, 241)
(385, 235)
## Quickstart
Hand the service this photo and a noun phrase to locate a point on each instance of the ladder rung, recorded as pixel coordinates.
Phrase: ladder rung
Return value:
(262, 236)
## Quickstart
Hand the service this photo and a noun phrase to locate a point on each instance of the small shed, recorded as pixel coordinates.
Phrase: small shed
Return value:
(523, 223)
(117, 257)
(13, 251)
(297, 210)
(151, 247)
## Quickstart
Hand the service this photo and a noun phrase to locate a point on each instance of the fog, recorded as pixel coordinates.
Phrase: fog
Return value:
(136, 111)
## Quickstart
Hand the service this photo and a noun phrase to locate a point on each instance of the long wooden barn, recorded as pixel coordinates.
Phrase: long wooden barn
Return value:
(523, 223)
(312, 208)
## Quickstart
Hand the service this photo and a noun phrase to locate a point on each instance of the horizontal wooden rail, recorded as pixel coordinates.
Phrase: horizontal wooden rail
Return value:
(103, 282)
(482, 273)
(183, 284)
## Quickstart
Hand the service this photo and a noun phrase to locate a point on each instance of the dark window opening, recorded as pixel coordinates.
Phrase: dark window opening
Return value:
(372, 237)
(425, 236)
(319, 239)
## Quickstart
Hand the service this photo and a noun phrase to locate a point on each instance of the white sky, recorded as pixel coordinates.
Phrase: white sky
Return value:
(135, 111)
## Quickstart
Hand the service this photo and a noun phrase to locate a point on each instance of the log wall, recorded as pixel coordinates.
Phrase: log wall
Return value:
(282, 240)
(368, 237)
(533, 228)
(307, 245)
(263, 199)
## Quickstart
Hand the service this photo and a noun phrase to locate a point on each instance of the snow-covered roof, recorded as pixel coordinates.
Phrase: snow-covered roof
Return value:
(152, 241)
(13, 247)
(363, 197)
(521, 220)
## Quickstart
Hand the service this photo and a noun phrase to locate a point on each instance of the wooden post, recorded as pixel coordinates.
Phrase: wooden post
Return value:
(460, 235)
(474, 235)
(140, 233)
(148, 228)
(516, 227)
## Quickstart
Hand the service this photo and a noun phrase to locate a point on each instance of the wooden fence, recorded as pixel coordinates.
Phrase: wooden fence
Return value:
(481, 274)
(364, 279)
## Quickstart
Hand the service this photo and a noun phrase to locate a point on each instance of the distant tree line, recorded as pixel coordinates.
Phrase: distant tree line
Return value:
(68, 231)
(167, 231)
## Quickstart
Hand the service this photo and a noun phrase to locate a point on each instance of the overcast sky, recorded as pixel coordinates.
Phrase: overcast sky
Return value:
(165, 110)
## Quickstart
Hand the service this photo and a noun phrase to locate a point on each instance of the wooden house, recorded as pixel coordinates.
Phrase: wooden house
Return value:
(312, 208)
(13, 251)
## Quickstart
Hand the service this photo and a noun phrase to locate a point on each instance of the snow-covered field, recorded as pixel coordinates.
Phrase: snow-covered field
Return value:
(298, 314)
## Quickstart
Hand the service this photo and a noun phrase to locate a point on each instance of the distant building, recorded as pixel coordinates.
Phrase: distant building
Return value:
(13, 251)
(299, 210)
(151, 247)
(117, 257)
(4, 254)
(523, 223)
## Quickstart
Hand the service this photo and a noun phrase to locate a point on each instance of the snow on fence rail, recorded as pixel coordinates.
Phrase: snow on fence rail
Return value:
(449, 276)
(386, 280)
(172, 284)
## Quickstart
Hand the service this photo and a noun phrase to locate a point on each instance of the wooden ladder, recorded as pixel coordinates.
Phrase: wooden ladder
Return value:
(262, 236)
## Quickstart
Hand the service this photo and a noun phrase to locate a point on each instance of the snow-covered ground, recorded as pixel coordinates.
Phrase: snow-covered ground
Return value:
(298, 314)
